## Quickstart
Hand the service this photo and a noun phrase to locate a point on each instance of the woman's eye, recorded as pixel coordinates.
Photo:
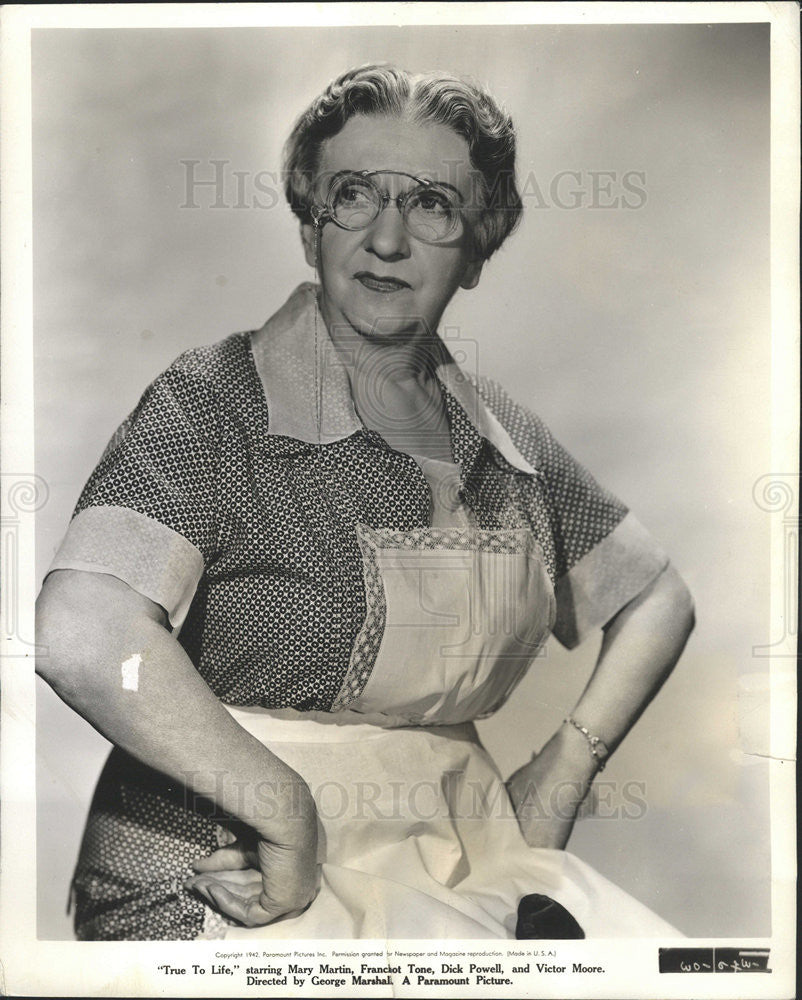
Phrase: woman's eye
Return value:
(434, 202)
(353, 194)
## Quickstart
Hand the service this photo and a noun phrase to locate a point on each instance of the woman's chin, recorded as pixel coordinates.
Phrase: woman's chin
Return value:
(386, 326)
(393, 329)
(398, 317)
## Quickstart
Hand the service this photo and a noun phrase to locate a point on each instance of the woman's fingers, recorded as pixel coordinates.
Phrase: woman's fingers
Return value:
(230, 858)
(258, 886)
(241, 881)
(240, 901)
(238, 894)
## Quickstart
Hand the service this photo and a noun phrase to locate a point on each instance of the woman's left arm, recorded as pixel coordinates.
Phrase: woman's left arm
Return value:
(641, 645)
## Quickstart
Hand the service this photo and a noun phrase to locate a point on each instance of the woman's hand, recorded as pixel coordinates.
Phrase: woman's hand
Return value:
(548, 791)
(256, 880)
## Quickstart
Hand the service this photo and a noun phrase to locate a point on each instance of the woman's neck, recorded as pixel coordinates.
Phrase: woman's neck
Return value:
(411, 357)
(394, 389)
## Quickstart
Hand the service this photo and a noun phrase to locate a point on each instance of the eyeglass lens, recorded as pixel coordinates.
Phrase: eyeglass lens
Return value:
(429, 213)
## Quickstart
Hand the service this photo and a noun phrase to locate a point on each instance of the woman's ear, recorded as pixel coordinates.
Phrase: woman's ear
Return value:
(308, 239)
(473, 272)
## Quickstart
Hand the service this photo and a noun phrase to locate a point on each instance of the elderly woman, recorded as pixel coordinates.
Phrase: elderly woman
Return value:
(316, 553)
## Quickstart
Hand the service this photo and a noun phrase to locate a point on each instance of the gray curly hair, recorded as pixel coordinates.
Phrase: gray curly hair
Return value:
(431, 97)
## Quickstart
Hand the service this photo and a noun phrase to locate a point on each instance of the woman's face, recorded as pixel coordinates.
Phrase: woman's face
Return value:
(381, 281)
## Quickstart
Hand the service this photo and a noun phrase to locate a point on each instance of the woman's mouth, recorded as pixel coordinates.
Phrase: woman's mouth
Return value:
(380, 283)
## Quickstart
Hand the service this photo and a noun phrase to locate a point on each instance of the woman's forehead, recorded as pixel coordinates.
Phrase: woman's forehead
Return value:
(376, 142)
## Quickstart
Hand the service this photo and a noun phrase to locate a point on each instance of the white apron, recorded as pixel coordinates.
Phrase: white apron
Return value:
(419, 837)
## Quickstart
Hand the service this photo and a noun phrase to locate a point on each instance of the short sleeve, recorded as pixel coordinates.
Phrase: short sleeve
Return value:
(603, 555)
(148, 514)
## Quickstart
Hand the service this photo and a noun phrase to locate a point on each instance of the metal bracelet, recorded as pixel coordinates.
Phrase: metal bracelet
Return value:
(598, 747)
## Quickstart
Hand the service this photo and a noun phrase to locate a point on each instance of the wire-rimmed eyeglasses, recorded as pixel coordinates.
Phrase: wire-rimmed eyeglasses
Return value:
(431, 212)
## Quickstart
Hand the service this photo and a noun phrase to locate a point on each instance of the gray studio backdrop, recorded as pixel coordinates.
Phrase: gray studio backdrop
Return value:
(631, 310)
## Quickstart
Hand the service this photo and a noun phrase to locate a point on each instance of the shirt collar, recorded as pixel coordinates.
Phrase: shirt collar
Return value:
(308, 392)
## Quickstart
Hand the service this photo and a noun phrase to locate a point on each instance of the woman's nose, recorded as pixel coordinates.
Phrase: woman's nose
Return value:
(386, 236)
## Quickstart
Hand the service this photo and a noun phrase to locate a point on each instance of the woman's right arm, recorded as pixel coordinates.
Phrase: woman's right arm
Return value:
(160, 710)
